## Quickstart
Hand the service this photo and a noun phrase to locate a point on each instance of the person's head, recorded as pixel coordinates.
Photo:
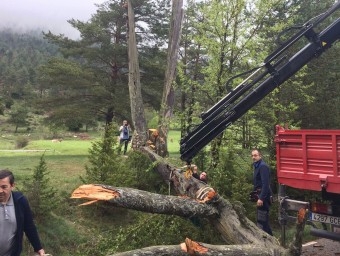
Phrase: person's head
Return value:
(125, 122)
(6, 185)
(195, 168)
(256, 155)
(203, 176)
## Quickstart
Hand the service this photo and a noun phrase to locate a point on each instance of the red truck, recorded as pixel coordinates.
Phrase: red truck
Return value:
(309, 160)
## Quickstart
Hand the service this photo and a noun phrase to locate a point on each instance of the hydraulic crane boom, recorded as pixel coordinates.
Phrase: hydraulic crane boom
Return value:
(275, 70)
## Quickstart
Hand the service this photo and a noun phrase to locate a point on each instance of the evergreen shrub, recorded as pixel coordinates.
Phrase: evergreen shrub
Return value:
(40, 193)
(21, 142)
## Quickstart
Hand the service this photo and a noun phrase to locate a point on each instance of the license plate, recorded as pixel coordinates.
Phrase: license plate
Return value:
(324, 218)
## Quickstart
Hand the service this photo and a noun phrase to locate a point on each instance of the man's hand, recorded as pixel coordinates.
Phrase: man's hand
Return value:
(41, 252)
(259, 203)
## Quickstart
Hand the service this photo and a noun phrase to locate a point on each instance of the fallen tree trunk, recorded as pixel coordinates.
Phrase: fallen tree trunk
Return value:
(195, 199)
(190, 247)
(234, 227)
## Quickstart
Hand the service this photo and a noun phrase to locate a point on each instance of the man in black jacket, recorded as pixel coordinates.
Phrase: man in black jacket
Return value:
(15, 219)
(261, 181)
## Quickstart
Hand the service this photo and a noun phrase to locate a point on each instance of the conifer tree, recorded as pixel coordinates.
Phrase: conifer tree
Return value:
(39, 191)
(103, 159)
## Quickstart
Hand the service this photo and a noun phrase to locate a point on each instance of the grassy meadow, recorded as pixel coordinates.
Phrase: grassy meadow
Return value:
(65, 160)
(71, 227)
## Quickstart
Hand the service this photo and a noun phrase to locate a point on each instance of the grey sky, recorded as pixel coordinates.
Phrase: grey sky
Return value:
(46, 14)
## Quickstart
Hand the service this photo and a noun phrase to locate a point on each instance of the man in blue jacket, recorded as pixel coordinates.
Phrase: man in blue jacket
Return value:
(261, 181)
(15, 219)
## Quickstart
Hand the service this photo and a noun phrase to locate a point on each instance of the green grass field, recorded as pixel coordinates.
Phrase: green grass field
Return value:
(65, 160)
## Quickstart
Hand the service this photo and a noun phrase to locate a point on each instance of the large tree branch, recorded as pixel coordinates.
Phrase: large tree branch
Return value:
(145, 201)
(230, 221)
(190, 247)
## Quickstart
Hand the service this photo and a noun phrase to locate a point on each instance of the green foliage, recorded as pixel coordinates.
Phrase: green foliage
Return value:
(107, 166)
(323, 92)
(299, 102)
(201, 160)
(231, 177)
(40, 193)
(65, 101)
(145, 177)
(2, 106)
(155, 229)
(104, 160)
(21, 142)
(221, 41)
(92, 76)
(18, 116)
(61, 237)
(21, 54)
(152, 116)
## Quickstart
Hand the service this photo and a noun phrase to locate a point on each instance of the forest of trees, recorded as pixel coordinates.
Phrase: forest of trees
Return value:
(74, 84)
(88, 78)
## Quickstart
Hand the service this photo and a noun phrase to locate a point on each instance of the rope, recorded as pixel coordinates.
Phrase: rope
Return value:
(170, 181)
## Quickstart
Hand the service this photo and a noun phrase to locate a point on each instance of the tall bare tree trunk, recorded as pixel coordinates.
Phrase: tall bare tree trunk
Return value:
(168, 91)
(136, 100)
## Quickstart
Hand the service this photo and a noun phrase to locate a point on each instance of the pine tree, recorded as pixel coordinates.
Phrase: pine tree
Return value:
(104, 159)
(40, 193)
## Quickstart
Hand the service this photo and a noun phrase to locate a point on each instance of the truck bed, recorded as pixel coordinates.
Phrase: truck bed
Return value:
(308, 159)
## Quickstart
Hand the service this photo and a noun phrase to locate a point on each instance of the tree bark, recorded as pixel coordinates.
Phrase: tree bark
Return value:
(168, 98)
(136, 100)
(190, 247)
(144, 201)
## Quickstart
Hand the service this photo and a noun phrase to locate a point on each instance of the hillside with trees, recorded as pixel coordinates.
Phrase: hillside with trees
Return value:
(20, 56)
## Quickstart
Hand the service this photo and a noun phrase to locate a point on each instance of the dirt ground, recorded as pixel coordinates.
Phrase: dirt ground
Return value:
(321, 247)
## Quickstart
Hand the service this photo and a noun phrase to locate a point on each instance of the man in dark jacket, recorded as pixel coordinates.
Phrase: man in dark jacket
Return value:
(261, 181)
(15, 219)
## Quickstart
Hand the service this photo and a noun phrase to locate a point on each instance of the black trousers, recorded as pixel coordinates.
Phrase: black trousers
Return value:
(262, 217)
(125, 142)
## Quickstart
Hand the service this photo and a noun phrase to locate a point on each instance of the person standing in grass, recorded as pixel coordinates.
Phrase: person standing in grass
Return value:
(124, 136)
(15, 219)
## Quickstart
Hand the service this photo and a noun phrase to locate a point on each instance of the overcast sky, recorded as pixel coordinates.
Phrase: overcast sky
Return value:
(46, 14)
